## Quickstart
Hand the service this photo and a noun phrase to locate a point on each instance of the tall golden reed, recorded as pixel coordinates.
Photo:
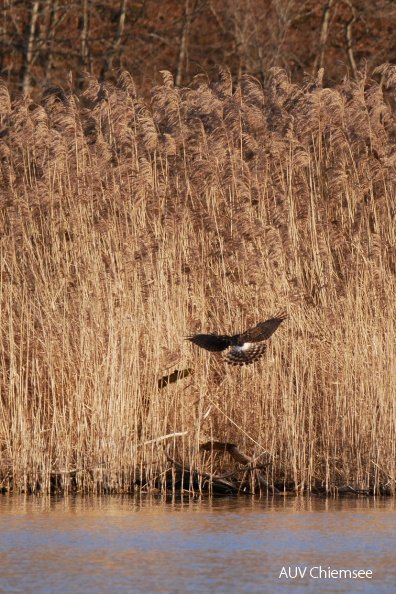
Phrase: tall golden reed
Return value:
(125, 226)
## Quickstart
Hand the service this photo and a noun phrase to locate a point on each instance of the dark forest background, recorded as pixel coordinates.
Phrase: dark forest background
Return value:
(42, 40)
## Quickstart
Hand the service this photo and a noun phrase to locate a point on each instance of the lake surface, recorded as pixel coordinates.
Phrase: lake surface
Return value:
(128, 544)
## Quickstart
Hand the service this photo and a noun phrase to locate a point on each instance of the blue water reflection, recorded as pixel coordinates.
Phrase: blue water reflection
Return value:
(125, 544)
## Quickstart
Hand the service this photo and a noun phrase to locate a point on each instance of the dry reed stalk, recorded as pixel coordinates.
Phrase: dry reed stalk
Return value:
(124, 227)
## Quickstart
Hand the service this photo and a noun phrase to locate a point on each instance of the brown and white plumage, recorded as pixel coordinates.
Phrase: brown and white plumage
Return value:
(247, 347)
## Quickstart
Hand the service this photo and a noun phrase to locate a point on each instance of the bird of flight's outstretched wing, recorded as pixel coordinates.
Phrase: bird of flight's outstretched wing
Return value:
(262, 331)
(211, 342)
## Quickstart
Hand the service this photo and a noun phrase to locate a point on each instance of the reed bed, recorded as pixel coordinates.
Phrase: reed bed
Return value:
(126, 226)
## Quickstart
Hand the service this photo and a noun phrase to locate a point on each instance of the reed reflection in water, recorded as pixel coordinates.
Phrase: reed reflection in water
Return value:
(126, 544)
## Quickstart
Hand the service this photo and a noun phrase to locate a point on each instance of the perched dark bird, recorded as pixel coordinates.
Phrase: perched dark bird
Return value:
(247, 347)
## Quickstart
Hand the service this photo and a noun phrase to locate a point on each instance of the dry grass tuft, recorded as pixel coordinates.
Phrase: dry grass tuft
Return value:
(124, 227)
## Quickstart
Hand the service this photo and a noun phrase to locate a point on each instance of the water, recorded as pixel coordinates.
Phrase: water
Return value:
(126, 544)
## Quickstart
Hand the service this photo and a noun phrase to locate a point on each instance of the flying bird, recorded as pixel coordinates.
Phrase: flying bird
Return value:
(248, 347)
